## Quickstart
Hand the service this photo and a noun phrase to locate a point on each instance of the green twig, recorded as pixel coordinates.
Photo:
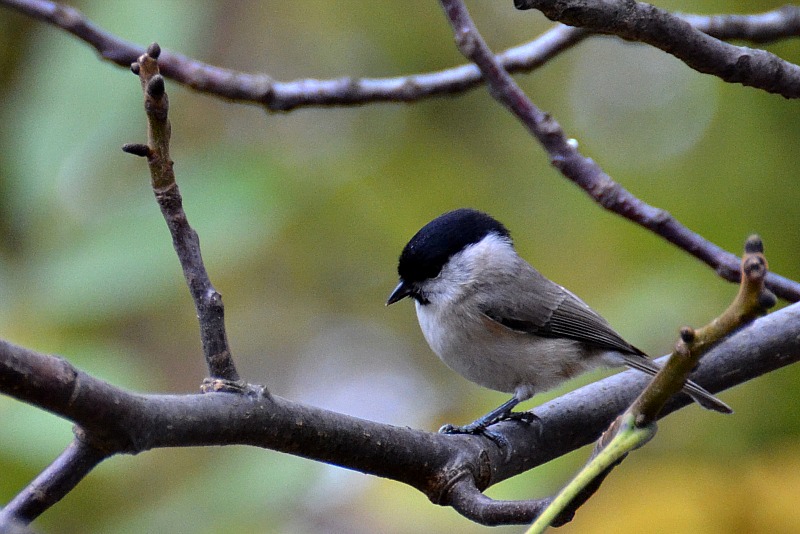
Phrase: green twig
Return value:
(627, 437)
(637, 425)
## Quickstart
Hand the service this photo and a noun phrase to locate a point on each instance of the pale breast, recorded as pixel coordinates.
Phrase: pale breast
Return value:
(497, 357)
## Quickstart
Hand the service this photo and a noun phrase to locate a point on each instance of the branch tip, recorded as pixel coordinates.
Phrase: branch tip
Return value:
(687, 334)
(754, 245)
(767, 299)
(154, 50)
(207, 301)
(156, 87)
(137, 149)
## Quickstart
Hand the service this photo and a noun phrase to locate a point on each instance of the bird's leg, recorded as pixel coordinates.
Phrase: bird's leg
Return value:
(501, 413)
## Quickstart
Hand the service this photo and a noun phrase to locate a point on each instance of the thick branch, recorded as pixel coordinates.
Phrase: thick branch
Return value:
(642, 22)
(432, 463)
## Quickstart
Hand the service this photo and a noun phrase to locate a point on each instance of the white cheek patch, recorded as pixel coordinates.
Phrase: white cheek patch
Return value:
(461, 270)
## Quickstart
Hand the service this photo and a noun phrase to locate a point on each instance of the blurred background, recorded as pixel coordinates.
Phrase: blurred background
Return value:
(302, 216)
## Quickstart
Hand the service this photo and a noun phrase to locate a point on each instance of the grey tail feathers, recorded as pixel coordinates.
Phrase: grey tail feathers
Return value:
(697, 393)
(705, 399)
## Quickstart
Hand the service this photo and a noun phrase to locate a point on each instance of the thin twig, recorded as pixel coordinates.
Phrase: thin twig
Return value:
(636, 426)
(275, 95)
(757, 28)
(752, 301)
(207, 301)
(52, 484)
(468, 500)
(261, 89)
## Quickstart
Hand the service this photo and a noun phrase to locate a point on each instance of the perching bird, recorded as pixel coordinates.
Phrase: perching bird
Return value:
(498, 322)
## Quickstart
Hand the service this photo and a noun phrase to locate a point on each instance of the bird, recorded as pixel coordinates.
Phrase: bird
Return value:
(493, 318)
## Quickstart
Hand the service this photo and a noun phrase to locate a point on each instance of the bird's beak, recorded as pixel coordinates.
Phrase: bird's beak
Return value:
(400, 292)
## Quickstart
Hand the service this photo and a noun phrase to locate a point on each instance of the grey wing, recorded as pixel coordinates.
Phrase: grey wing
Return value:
(535, 305)
(531, 303)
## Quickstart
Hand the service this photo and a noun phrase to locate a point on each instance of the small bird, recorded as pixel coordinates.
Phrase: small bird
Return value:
(498, 322)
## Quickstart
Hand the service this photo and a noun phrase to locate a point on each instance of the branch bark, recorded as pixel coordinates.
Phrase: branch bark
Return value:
(274, 95)
(674, 35)
(585, 172)
(207, 300)
(53, 483)
(118, 421)
(285, 96)
(450, 470)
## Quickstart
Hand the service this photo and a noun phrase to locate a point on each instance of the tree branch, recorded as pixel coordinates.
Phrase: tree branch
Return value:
(468, 500)
(637, 425)
(9, 525)
(285, 96)
(117, 421)
(642, 22)
(53, 483)
(759, 28)
(585, 172)
(207, 301)
(751, 301)
(450, 470)
(275, 95)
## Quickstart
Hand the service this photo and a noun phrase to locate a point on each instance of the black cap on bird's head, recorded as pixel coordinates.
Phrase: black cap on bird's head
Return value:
(429, 250)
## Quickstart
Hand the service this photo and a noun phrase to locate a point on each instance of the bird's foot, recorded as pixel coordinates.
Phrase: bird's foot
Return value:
(481, 426)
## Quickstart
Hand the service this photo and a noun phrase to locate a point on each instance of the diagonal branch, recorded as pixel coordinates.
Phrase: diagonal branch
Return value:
(53, 483)
(637, 425)
(646, 23)
(284, 96)
(751, 301)
(585, 172)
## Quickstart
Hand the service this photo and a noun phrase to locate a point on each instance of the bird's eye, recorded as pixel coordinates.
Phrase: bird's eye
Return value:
(420, 296)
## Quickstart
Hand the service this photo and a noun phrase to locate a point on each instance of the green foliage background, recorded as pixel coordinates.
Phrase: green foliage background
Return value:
(301, 218)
